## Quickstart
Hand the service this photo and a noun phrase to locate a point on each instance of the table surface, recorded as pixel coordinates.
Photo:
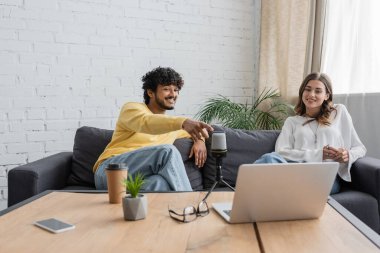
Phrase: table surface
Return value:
(100, 227)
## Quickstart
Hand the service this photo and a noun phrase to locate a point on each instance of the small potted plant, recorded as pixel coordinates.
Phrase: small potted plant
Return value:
(135, 205)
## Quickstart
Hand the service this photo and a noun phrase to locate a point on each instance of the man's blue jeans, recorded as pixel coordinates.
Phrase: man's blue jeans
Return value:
(276, 158)
(161, 166)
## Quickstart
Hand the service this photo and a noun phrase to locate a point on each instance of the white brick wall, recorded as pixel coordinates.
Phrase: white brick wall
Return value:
(66, 64)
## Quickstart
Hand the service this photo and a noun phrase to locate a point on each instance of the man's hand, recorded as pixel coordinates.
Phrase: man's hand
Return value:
(200, 153)
(197, 129)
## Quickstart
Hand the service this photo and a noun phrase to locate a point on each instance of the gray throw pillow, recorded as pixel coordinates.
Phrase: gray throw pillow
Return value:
(243, 147)
(89, 143)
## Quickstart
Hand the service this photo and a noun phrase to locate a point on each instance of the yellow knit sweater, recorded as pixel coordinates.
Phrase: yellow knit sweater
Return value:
(138, 127)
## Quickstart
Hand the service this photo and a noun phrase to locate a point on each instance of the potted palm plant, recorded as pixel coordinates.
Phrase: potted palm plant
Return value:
(135, 204)
(266, 112)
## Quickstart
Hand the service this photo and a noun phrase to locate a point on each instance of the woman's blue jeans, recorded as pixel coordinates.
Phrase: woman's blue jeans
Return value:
(161, 165)
(276, 158)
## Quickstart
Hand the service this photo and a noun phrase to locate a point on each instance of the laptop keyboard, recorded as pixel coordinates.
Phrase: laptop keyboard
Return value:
(228, 212)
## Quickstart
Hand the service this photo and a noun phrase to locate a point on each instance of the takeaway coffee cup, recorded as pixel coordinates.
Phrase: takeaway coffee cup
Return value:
(116, 173)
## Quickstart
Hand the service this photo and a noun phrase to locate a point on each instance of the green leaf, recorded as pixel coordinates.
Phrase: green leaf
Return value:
(244, 116)
(133, 185)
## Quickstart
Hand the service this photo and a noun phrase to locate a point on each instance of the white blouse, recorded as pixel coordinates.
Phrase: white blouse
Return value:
(304, 143)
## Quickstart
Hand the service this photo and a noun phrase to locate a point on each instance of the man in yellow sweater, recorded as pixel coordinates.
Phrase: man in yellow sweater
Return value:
(144, 135)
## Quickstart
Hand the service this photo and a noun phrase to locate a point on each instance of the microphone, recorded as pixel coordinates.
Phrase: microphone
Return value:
(218, 144)
(218, 150)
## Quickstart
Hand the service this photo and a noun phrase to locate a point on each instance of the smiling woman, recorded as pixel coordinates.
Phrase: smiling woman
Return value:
(321, 131)
(313, 97)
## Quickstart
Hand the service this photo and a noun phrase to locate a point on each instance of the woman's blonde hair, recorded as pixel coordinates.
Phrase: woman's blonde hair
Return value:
(327, 107)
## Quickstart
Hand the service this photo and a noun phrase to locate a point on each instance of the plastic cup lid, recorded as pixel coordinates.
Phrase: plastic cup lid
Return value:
(117, 166)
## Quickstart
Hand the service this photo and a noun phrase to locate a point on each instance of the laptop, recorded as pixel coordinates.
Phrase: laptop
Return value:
(276, 192)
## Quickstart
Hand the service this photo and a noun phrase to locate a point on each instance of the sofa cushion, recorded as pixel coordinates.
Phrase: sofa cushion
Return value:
(89, 143)
(194, 174)
(243, 147)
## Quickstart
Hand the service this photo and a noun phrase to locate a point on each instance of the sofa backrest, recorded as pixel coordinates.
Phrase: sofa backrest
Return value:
(243, 147)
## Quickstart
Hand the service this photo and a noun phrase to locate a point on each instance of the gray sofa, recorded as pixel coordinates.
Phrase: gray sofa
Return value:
(73, 170)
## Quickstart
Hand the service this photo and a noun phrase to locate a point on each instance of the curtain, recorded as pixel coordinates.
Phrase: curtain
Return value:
(351, 54)
(315, 36)
(351, 57)
(283, 45)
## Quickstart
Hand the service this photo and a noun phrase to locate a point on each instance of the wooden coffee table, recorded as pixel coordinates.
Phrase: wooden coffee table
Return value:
(100, 227)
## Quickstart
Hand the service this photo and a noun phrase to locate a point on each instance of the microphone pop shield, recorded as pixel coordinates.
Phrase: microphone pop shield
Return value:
(218, 142)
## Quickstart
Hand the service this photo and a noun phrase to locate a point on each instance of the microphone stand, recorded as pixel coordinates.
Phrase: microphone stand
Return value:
(218, 154)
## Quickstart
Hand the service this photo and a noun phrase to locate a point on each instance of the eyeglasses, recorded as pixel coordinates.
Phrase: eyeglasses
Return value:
(190, 213)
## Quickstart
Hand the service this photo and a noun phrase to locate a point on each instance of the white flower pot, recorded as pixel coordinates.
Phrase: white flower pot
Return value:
(135, 208)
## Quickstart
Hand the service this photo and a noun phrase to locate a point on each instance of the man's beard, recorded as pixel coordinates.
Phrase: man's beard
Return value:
(161, 103)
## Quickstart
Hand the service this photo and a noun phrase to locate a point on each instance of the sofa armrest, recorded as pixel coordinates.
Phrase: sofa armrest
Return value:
(365, 173)
(49, 173)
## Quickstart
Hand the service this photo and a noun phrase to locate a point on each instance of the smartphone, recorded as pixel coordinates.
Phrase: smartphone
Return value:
(54, 225)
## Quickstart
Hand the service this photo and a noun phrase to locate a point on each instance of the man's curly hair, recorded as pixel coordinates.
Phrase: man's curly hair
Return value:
(163, 76)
